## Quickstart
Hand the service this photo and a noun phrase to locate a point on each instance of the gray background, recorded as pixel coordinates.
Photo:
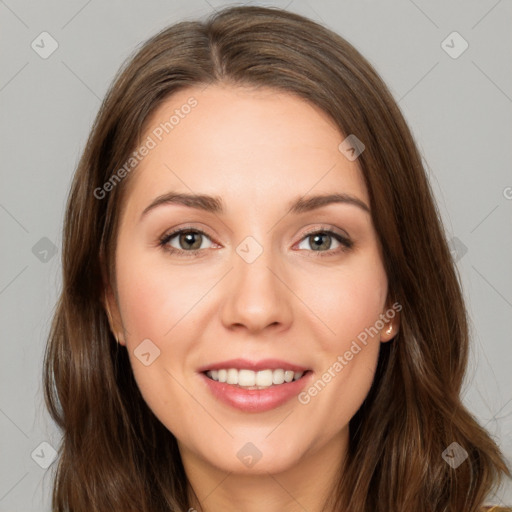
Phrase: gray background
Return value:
(460, 111)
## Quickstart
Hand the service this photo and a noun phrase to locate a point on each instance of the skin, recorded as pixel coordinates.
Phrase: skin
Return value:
(258, 150)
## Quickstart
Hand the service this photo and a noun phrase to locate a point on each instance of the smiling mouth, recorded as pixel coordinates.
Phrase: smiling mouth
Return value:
(249, 379)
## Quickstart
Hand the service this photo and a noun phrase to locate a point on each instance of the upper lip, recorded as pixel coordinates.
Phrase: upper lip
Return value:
(245, 364)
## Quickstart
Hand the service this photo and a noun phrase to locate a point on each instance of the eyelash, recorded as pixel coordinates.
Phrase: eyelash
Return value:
(346, 244)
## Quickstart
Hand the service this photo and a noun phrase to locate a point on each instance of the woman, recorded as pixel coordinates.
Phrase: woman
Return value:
(307, 350)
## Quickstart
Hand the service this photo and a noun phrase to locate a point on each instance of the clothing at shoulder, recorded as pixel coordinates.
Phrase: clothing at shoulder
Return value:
(497, 509)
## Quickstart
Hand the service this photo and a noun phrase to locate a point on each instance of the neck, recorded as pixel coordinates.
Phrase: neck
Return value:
(304, 486)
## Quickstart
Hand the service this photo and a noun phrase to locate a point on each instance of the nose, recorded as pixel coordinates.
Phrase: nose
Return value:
(257, 296)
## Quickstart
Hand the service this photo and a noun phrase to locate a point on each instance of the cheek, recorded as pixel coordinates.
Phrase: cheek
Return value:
(152, 299)
(348, 300)
(153, 305)
(158, 303)
(348, 357)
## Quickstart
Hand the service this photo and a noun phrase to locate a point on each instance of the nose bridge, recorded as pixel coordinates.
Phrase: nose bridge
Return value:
(257, 297)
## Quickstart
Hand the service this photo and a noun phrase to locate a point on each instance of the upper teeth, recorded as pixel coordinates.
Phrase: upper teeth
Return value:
(249, 378)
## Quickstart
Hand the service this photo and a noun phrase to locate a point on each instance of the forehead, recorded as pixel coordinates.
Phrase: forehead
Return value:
(250, 146)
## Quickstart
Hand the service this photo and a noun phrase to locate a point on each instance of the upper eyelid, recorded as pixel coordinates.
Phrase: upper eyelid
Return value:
(326, 229)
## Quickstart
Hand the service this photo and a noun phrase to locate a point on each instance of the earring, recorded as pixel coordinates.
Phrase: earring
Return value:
(389, 329)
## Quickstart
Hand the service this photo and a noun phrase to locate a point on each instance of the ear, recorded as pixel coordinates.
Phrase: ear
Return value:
(391, 316)
(111, 306)
(114, 318)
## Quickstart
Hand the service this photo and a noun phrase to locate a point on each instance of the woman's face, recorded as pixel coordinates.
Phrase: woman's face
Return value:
(284, 288)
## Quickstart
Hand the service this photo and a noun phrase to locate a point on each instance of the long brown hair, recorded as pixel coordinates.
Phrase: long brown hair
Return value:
(115, 454)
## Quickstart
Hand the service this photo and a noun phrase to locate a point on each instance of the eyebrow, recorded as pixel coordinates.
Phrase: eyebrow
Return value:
(214, 204)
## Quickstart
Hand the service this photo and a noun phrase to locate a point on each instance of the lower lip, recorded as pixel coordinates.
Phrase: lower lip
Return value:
(256, 400)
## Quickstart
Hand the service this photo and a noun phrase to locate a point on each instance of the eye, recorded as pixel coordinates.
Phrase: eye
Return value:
(187, 240)
(320, 241)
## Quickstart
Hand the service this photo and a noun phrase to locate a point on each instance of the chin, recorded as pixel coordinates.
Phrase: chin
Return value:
(254, 458)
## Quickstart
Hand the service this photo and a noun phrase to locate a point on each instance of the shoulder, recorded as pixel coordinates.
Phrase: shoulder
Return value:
(496, 509)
